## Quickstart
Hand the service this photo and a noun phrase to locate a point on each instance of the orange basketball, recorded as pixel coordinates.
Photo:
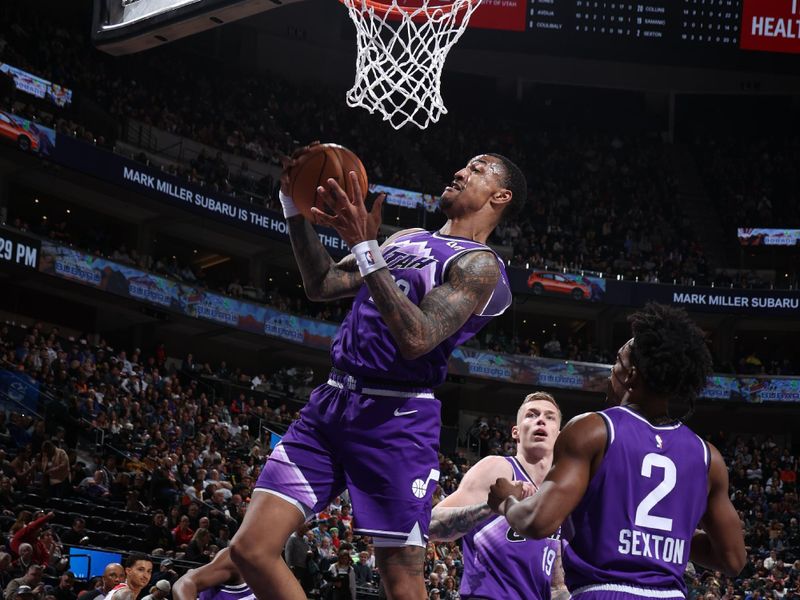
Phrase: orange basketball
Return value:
(315, 167)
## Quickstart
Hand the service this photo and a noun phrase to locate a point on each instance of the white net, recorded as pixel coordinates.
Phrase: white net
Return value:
(401, 53)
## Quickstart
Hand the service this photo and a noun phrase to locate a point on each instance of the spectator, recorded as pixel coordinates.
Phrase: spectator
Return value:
(56, 470)
(342, 584)
(113, 575)
(32, 582)
(198, 548)
(183, 533)
(65, 588)
(76, 534)
(159, 591)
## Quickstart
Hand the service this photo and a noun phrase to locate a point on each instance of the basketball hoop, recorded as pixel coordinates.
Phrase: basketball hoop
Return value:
(402, 46)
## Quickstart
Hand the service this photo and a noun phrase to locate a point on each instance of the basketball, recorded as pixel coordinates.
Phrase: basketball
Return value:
(315, 167)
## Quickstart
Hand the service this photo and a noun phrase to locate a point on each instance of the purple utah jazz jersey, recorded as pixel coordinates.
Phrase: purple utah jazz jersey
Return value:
(634, 526)
(228, 592)
(499, 563)
(418, 261)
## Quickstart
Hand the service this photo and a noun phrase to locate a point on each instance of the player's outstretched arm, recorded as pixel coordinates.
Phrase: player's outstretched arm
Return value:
(721, 545)
(578, 449)
(219, 571)
(461, 511)
(323, 279)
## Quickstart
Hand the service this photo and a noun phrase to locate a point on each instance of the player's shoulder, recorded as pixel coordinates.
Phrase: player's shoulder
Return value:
(489, 469)
(478, 266)
(586, 432)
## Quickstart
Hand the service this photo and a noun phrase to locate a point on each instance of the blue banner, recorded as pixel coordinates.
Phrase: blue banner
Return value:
(259, 319)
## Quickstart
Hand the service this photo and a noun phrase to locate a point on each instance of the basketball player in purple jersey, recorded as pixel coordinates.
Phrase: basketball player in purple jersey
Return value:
(373, 428)
(498, 563)
(218, 580)
(643, 493)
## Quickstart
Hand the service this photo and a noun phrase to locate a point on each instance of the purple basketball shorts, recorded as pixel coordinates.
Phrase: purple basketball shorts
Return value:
(379, 443)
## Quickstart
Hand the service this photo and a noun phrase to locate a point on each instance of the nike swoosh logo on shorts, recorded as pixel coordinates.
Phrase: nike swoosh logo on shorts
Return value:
(399, 413)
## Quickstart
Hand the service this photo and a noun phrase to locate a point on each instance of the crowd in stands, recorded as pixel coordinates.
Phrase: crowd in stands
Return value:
(754, 182)
(172, 452)
(600, 202)
(188, 461)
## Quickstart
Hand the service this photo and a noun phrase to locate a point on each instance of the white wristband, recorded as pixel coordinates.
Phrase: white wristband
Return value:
(368, 257)
(289, 208)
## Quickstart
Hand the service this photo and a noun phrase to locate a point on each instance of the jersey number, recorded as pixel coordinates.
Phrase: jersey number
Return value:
(643, 516)
(548, 557)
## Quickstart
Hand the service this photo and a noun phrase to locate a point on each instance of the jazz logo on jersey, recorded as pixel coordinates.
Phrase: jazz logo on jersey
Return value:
(659, 442)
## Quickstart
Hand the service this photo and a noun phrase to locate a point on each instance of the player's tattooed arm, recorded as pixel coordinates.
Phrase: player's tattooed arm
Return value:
(448, 523)
(558, 587)
(419, 329)
(323, 279)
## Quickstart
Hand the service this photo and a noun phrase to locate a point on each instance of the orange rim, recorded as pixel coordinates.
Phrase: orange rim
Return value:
(382, 8)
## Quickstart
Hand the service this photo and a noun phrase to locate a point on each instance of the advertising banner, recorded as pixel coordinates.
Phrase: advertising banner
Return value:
(518, 368)
(151, 182)
(540, 282)
(37, 86)
(406, 198)
(706, 299)
(771, 25)
(768, 237)
(260, 319)
(188, 300)
(39, 139)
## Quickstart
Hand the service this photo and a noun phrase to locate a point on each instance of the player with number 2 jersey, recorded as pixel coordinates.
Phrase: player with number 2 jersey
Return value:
(639, 493)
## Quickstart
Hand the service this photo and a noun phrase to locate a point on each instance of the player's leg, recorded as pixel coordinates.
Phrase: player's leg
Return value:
(390, 457)
(256, 548)
(401, 570)
(299, 479)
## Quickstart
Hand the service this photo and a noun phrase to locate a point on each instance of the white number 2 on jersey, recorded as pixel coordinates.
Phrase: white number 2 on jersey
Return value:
(548, 557)
(643, 516)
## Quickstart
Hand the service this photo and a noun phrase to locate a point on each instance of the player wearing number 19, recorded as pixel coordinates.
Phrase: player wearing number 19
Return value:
(374, 426)
(630, 484)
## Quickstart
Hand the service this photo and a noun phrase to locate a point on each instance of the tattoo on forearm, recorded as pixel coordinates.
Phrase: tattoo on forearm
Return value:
(419, 329)
(322, 278)
(450, 523)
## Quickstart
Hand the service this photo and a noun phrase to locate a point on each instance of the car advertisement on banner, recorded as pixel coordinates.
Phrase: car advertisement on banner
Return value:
(26, 135)
(771, 25)
(768, 237)
(570, 286)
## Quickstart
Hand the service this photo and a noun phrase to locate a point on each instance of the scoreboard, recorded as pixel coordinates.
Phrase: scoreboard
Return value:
(679, 31)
